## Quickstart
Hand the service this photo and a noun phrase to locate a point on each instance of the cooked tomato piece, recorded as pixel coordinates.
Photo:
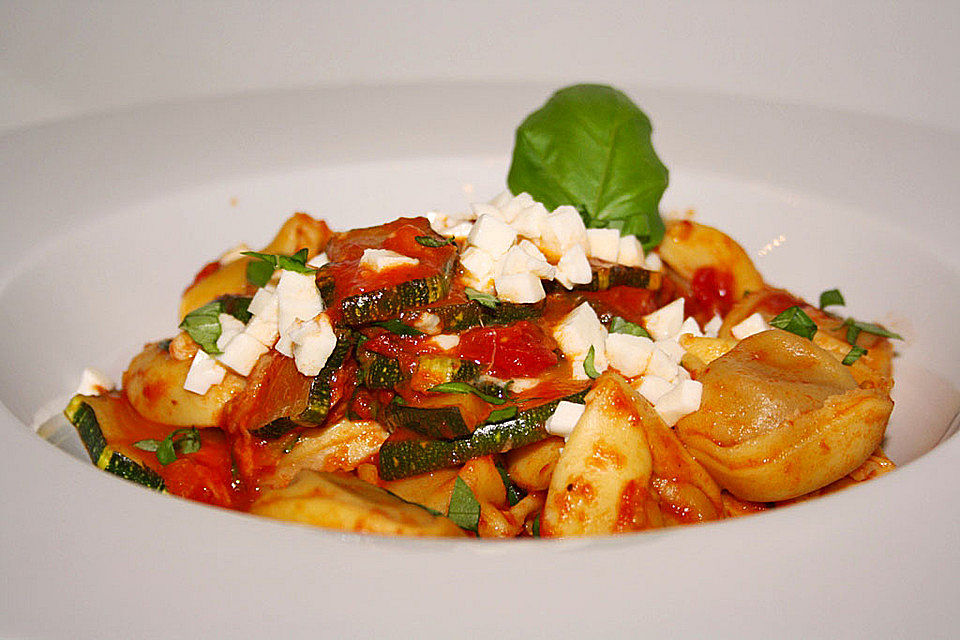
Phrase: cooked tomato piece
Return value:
(712, 291)
(520, 350)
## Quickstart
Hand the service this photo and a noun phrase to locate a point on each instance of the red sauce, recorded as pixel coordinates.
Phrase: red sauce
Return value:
(712, 292)
(629, 303)
(208, 269)
(519, 350)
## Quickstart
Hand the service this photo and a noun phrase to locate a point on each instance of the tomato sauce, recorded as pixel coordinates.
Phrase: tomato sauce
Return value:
(711, 292)
(519, 350)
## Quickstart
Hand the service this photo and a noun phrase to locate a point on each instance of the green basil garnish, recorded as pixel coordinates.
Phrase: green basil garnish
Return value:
(184, 441)
(203, 324)
(499, 415)
(397, 327)
(854, 327)
(463, 387)
(853, 355)
(795, 321)
(536, 526)
(589, 146)
(430, 241)
(485, 299)
(513, 494)
(588, 364)
(260, 270)
(830, 298)
(619, 325)
(464, 508)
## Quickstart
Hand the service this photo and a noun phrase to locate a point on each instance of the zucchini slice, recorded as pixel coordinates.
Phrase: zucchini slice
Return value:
(320, 398)
(82, 416)
(380, 371)
(402, 458)
(613, 275)
(434, 422)
(466, 315)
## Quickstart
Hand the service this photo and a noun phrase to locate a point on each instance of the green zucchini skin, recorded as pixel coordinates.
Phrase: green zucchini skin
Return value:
(404, 458)
(321, 389)
(444, 423)
(615, 275)
(84, 419)
(277, 428)
(448, 369)
(467, 315)
(380, 371)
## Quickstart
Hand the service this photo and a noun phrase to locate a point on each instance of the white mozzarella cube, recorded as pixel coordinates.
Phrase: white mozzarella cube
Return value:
(628, 354)
(653, 263)
(446, 341)
(753, 324)
(574, 268)
(264, 303)
(233, 254)
(460, 231)
(531, 221)
(690, 326)
(712, 328)
(564, 419)
(662, 365)
(576, 333)
(479, 269)
(531, 250)
(318, 260)
(517, 260)
(511, 209)
(230, 328)
(428, 323)
(670, 347)
(382, 259)
(537, 264)
(298, 298)
(263, 329)
(492, 235)
(519, 287)
(204, 373)
(501, 199)
(682, 399)
(284, 342)
(630, 251)
(653, 387)
(94, 382)
(242, 353)
(666, 321)
(484, 209)
(313, 343)
(604, 244)
(564, 229)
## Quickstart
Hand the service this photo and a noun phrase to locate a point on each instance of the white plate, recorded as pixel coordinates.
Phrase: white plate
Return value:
(105, 219)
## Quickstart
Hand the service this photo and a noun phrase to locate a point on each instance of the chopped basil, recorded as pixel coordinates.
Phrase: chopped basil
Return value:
(536, 526)
(853, 355)
(795, 321)
(430, 241)
(854, 327)
(463, 387)
(485, 299)
(395, 326)
(260, 270)
(499, 415)
(831, 297)
(513, 494)
(619, 325)
(185, 440)
(588, 364)
(203, 324)
(464, 508)
(590, 147)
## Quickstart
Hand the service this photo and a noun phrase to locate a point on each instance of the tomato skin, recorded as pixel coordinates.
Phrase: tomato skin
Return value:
(712, 291)
(520, 350)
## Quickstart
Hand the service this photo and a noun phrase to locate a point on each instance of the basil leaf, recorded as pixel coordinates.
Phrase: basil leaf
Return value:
(485, 299)
(831, 297)
(853, 355)
(397, 327)
(868, 327)
(795, 321)
(147, 445)
(619, 325)
(589, 146)
(463, 387)
(464, 508)
(260, 270)
(259, 273)
(588, 364)
(430, 241)
(203, 325)
(536, 526)
(852, 334)
(165, 452)
(513, 494)
(186, 440)
(499, 415)
(189, 442)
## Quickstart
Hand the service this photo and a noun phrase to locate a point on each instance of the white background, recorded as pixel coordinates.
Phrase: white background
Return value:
(62, 59)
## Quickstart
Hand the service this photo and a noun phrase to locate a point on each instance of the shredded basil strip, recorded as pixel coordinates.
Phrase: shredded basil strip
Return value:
(185, 440)
(619, 325)
(464, 508)
(513, 494)
(203, 324)
(395, 326)
(853, 355)
(430, 241)
(831, 297)
(536, 526)
(260, 270)
(854, 327)
(795, 321)
(463, 387)
(588, 364)
(499, 415)
(485, 299)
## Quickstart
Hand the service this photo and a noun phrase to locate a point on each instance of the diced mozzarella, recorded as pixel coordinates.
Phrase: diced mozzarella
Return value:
(666, 321)
(428, 323)
(531, 221)
(383, 259)
(313, 343)
(564, 418)
(564, 229)
(446, 341)
(628, 354)
(284, 343)
(511, 209)
(242, 353)
(484, 209)
(204, 373)
(574, 268)
(630, 251)
(230, 328)
(672, 348)
(653, 387)
(712, 328)
(576, 333)
(233, 254)
(753, 324)
(492, 234)
(653, 263)
(519, 385)
(604, 244)
(94, 382)
(442, 222)
(519, 287)
(690, 326)
(682, 399)
(501, 199)
(478, 269)
(318, 260)
(298, 298)
(518, 260)
(459, 231)
(263, 329)
(661, 364)
(264, 304)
